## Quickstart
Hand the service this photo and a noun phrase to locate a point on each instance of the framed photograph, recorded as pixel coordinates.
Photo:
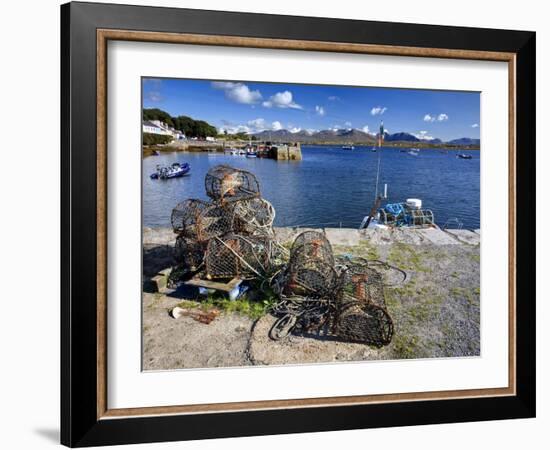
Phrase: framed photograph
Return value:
(277, 224)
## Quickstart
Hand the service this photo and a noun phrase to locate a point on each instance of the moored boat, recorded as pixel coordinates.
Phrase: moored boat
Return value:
(173, 171)
(348, 147)
(464, 156)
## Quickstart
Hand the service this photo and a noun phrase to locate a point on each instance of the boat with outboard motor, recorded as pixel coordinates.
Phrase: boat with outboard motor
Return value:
(173, 171)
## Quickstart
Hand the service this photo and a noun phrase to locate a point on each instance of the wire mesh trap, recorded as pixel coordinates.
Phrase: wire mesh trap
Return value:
(189, 253)
(235, 255)
(254, 216)
(226, 184)
(185, 216)
(363, 284)
(311, 245)
(364, 323)
(343, 298)
(202, 221)
(309, 278)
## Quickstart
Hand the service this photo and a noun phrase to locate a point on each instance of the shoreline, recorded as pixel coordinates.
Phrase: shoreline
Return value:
(219, 147)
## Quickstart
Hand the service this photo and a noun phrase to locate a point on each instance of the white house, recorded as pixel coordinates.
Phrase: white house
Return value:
(155, 127)
(158, 127)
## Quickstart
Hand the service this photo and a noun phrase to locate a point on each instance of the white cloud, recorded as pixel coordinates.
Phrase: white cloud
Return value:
(281, 100)
(276, 126)
(439, 118)
(295, 130)
(320, 110)
(154, 96)
(238, 92)
(258, 124)
(252, 126)
(423, 135)
(378, 110)
(475, 125)
(233, 129)
(347, 124)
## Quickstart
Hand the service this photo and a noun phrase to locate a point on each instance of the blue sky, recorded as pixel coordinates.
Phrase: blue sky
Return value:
(251, 107)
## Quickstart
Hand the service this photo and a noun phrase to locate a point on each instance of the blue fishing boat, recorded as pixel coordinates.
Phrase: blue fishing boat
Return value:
(464, 156)
(176, 170)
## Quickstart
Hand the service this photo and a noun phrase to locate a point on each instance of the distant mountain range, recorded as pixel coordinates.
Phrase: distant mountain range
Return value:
(351, 136)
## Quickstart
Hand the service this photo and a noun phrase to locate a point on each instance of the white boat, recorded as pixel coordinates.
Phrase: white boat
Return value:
(348, 147)
(413, 152)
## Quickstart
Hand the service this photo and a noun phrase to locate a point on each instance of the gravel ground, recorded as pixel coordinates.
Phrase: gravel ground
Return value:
(436, 313)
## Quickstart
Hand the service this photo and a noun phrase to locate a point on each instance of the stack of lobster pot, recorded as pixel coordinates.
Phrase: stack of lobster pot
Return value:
(229, 236)
(344, 296)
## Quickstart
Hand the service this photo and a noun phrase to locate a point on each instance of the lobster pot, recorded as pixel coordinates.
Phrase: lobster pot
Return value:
(227, 184)
(235, 255)
(254, 216)
(213, 221)
(311, 245)
(421, 217)
(188, 252)
(310, 278)
(365, 323)
(185, 216)
(362, 284)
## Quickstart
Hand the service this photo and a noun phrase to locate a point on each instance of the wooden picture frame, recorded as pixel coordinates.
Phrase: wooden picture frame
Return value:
(85, 417)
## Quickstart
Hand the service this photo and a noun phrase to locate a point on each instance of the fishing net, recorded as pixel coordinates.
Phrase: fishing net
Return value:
(235, 255)
(188, 252)
(227, 184)
(254, 216)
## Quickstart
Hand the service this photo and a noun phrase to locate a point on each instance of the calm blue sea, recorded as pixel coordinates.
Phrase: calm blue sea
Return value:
(330, 186)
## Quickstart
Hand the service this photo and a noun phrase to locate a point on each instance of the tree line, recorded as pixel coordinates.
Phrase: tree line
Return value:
(191, 127)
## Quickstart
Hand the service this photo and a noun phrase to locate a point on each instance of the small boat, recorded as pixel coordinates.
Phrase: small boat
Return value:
(230, 151)
(156, 153)
(373, 150)
(241, 152)
(174, 171)
(405, 214)
(251, 154)
(464, 156)
(348, 147)
(413, 152)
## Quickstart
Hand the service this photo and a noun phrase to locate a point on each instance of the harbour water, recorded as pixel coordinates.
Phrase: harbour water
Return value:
(330, 187)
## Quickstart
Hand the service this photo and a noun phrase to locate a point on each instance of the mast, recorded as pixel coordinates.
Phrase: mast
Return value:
(377, 199)
(380, 140)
